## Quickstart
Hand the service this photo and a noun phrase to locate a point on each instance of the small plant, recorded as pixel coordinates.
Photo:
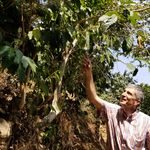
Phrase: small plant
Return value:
(50, 134)
(82, 113)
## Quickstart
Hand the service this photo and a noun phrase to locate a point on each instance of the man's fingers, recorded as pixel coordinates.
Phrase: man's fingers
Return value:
(85, 61)
(86, 56)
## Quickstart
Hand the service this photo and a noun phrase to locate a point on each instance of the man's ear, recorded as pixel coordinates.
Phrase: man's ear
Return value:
(137, 102)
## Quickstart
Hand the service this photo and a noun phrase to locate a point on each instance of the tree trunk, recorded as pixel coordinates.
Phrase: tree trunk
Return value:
(52, 114)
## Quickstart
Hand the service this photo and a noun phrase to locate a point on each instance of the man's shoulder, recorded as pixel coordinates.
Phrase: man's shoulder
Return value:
(109, 104)
(143, 115)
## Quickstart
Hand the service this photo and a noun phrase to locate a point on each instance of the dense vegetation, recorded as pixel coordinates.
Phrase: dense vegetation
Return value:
(42, 44)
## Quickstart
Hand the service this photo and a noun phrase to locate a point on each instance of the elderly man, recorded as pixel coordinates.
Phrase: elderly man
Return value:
(128, 128)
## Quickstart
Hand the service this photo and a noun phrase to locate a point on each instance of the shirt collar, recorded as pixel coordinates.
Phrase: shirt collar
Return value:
(131, 116)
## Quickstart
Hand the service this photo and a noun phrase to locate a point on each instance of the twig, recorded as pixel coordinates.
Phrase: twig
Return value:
(147, 51)
(23, 28)
(22, 20)
(83, 20)
(29, 20)
(128, 28)
(4, 32)
(10, 4)
(139, 10)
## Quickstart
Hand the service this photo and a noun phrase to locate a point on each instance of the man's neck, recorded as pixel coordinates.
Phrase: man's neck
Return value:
(128, 111)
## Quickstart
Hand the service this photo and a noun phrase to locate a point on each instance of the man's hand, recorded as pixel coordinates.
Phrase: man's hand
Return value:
(86, 64)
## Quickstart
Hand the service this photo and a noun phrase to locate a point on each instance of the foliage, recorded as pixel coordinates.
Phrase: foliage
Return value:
(48, 30)
(118, 83)
(50, 134)
(144, 106)
(15, 62)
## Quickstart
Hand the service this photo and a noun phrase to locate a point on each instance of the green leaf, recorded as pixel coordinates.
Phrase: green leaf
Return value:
(11, 53)
(113, 19)
(43, 97)
(53, 14)
(65, 37)
(36, 34)
(135, 72)
(24, 62)
(87, 41)
(100, 32)
(70, 29)
(126, 12)
(44, 88)
(4, 50)
(56, 76)
(1, 37)
(18, 57)
(31, 63)
(110, 13)
(111, 43)
(133, 18)
(9, 57)
(130, 41)
(60, 73)
(58, 3)
(45, 111)
(52, 108)
(102, 58)
(124, 46)
(130, 66)
(104, 17)
(18, 1)
(141, 59)
(13, 68)
(98, 47)
(107, 41)
(59, 106)
(30, 35)
(108, 56)
(127, 44)
(21, 73)
(127, 2)
(7, 43)
(32, 109)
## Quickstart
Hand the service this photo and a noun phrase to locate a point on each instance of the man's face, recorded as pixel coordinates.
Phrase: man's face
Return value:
(128, 98)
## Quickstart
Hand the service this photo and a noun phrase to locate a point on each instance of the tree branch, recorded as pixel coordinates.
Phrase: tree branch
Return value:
(23, 28)
(83, 20)
(29, 20)
(96, 17)
(52, 114)
(22, 20)
(139, 10)
(4, 33)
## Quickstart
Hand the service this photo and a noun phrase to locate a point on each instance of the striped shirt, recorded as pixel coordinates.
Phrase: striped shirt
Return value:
(126, 133)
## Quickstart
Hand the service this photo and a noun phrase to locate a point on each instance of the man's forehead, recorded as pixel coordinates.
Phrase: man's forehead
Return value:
(130, 89)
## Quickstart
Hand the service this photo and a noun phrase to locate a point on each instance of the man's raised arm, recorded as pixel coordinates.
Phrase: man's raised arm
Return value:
(90, 86)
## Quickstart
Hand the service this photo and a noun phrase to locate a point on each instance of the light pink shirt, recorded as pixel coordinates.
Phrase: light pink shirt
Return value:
(132, 133)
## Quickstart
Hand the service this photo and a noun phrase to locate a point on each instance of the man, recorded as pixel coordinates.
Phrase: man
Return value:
(128, 128)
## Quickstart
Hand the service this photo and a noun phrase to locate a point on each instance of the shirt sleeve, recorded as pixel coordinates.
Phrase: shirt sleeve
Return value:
(108, 110)
(148, 138)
